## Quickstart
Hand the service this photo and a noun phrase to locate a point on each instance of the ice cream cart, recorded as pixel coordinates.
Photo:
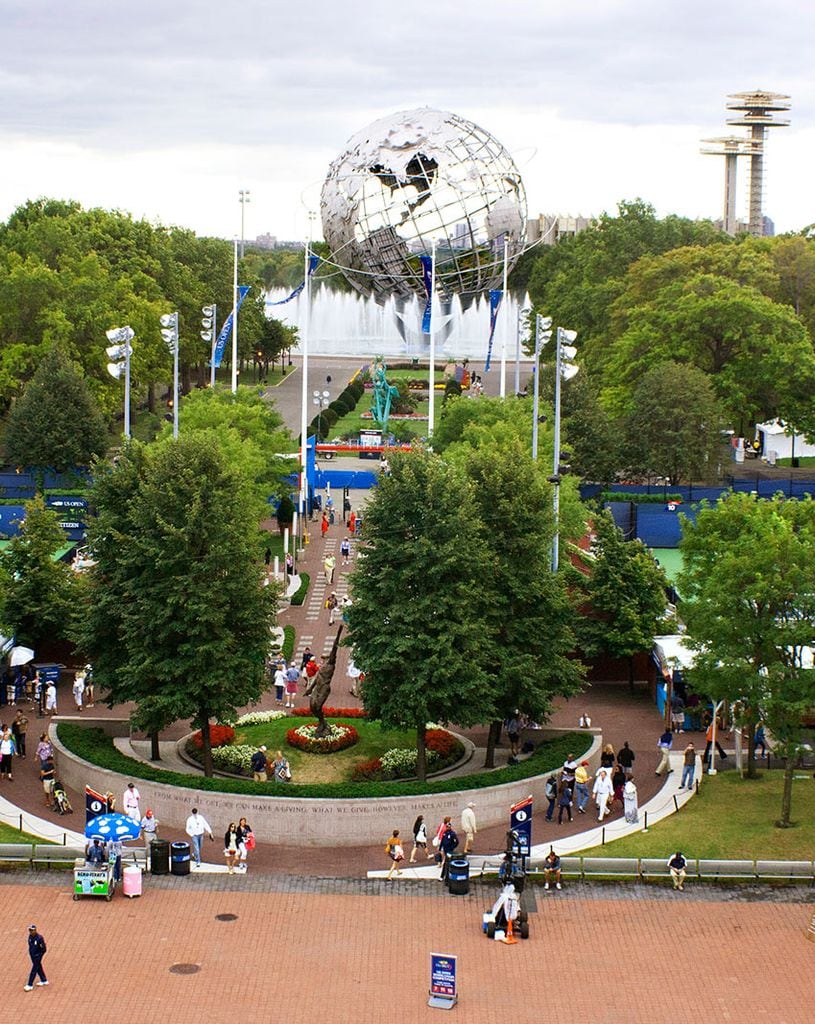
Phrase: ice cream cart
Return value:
(93, 879)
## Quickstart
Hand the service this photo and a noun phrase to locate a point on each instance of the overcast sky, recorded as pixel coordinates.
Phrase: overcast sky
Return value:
(167, 107)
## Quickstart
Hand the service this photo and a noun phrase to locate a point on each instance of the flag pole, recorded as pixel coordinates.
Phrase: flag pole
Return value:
(304, 330)
(431, 412)
(505, 322)
(235, 323)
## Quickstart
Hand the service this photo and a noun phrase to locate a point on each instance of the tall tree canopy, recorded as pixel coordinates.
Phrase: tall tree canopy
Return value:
(56, 423)
(175, 615)
(748, 591)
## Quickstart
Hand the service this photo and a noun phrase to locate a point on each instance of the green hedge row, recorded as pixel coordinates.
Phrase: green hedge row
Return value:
(344, 403)
(287, 649)
(94, 746)
(299, 596)
(639, 499)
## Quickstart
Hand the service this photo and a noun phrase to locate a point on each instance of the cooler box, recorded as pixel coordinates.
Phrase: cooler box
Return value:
(131, 880)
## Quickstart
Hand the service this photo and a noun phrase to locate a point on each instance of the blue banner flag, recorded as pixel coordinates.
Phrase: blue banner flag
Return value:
(427, 277)
(495, 305)
(520, 824)
(313, 262)
(226, 330)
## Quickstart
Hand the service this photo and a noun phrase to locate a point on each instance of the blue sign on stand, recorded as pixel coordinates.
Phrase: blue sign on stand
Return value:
(520, 824)
(443, 987)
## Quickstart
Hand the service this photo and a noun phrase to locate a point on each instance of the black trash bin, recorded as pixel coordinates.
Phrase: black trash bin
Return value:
(458, 876)
(159, 857)
(180, 853)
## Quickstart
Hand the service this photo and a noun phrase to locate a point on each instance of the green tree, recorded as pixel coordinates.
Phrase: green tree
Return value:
(673, 429)
(36, 591)
(56, 423)
(626, 591)
(416, 623)
(528, 618)
(176, 616)
(748, 589)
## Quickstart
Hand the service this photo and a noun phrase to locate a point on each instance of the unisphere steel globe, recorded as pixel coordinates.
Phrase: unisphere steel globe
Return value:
(417, 177)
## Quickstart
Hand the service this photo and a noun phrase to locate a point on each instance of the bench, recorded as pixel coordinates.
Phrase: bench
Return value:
(16, 853)
(727, 869)
(571, 867)
(657, 867)
(792, 870)
(50, 855)
(626, 867)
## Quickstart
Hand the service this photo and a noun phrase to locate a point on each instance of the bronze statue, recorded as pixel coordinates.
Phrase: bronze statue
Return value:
(319, 688)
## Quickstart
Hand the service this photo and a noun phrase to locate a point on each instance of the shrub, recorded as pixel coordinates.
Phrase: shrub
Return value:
(259, 717)
(442, 742)
(219, 736)
(237, 758)
(289, 636)
(368, 771)
(400, 763)
(334, 712)
(299, 596)
(340, 738)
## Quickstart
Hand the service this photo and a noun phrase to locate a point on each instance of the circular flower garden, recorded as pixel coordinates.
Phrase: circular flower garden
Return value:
(339, 737)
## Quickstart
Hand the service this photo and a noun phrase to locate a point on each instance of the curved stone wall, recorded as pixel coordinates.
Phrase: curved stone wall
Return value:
(293, 820)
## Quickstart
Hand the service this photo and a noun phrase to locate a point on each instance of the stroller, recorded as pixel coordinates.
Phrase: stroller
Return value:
(62, 805)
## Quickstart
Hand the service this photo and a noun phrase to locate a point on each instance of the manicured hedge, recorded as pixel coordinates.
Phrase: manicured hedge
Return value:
(640, 499)
(289, 636)
(94, 746)
(299, 596)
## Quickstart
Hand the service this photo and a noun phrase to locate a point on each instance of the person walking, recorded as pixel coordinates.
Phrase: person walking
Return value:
(329, 563)
(78, 690)
(419, 839)
(447, 845)
(48, 776)
(279, 683)
(688, 766)
(258, 763)
(324, 525)
(19, 727)
(292, 677)
(282, 771)
(197, 826)
(564, 802)
(630, 802)
(51, 698)
(603, 792)
(231, 851)
(664, 744)
(581, 786)
(246, 842)
(345, 550)
(36, 950)
(550, 792)
(149, 826)
(468, 825)
(44, 748)
(709, 743)
(7, 751)
(625, 759)
(394, 851)
(331, 604)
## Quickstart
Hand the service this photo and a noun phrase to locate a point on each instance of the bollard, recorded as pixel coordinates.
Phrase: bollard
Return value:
(645, 821)
(676, 803)
(603, 840)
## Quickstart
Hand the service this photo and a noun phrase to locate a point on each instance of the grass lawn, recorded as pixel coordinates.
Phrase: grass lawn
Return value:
(374, 740)
(353, 422)
(731, 819)
(10, 834)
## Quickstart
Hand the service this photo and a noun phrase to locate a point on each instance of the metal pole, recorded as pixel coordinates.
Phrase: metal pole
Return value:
(431, 412)
(175, 379)
(505, 323)
(214, 343)
(235, 323)
(304, 330)
(518, 351)
(555, 473)
(127, 388)
(536, 392)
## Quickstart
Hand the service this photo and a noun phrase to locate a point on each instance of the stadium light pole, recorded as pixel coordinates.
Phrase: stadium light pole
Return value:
(169, 332)
(565, 369)
(543, 332)
(119, 354)
(210, 333)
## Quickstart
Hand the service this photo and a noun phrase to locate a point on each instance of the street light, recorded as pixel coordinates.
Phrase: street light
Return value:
(244, 198)
(169, 332)
(119, 355)
(565, 369)
(210, 334)
(543, 332)
(521, 327)
(321, 399)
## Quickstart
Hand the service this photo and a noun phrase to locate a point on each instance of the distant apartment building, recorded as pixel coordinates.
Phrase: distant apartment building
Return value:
(550, 228)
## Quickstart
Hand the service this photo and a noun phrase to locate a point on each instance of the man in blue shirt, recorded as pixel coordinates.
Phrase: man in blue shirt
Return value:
(36, 950)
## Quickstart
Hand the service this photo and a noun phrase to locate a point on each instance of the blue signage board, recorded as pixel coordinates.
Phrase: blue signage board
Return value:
(443, 976)
(520, 824)
(65, 501)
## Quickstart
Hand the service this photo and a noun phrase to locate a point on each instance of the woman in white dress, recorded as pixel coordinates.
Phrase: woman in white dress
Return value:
(603, 792)
(630, 801)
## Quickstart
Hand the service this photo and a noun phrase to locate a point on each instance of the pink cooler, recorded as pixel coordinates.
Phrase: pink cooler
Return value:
(131, 880)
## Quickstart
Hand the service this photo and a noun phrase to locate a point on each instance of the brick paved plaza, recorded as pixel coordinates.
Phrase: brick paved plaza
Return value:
(343, 951)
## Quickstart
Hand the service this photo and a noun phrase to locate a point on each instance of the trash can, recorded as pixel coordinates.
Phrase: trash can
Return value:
(180, 854)
(458, 876)
(159, 857)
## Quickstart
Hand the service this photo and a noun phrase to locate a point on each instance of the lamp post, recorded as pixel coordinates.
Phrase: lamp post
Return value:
(169, 332)
(119, 355)
(543, 332)
(321, 399)
(210, 334)
(243, 198)
(564, 369)
(522, 324)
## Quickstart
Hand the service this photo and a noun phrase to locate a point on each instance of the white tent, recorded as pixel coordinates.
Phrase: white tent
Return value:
(671, 651)
(774, 438)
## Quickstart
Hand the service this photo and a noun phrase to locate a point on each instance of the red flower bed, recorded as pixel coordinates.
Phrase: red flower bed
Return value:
(367, 771)
(219, 736)
(313, 746)
(334, 712)
(441, 741)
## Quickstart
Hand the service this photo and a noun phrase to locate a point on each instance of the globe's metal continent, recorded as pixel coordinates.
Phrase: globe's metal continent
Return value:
(415, 177)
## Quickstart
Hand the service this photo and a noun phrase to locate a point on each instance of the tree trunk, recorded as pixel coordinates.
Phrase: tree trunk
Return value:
(155, 755)
(751, 747)
(786, 798)
(206, 749)
(421, 753)
(493, 737)
(151, 397)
